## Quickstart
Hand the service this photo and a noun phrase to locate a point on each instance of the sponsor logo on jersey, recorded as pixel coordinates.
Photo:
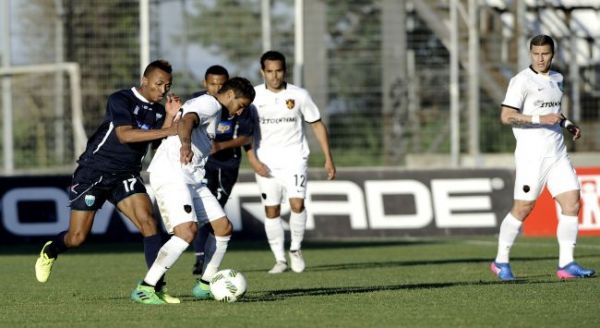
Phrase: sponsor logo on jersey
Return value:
(290, 103)
(89, 200)
(277, 120)
(546, 104)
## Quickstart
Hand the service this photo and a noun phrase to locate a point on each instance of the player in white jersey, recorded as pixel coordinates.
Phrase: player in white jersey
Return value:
(533, 108)
(281, 155)
(176, 176)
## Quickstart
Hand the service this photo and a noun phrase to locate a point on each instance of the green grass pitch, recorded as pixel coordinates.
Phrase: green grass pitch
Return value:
(391, 283)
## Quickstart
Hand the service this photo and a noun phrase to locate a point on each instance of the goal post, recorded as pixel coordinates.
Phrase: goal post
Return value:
(78, 132)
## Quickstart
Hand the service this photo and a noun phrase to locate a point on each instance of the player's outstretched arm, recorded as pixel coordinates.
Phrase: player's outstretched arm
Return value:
(233, 143)
(130, 134)
(320, 131)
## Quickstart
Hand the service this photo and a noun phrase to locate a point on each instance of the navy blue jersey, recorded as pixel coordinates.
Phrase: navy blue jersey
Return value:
(104, 152)
(231, 127)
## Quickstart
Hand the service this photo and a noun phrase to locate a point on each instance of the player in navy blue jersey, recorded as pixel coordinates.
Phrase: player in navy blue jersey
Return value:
(222, 168)
(109, 169)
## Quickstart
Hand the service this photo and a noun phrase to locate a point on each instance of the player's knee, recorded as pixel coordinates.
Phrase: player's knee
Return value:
(147, 225)
(224, 229)
(297, 208)
(272, 211)
(570, 208)
(523, 210)
(186, 231)
(75, 239)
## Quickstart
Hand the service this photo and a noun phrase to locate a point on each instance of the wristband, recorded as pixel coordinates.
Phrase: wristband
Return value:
(566, 123)
(535, 119)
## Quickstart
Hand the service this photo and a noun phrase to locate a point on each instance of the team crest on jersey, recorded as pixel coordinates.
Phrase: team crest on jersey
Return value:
(561, 86)
(290, 103)
(89, 200)
(223, 127)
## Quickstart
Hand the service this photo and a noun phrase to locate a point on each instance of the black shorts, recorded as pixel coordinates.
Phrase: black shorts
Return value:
(90, 188)
(220, 180)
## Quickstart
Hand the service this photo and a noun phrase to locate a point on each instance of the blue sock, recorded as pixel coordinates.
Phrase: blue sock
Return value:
(152, 245)
(199, 242)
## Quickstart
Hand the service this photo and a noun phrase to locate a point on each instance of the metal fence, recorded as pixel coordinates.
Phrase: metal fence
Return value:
(378, 69)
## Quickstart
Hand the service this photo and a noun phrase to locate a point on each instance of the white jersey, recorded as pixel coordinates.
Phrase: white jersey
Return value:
(282, 139)
(537, 94)
(166, 159)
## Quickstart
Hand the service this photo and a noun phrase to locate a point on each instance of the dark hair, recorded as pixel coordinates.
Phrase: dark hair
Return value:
(241, 87)
(158, 64)
(272, 55)
(541, 40)
(216, 70)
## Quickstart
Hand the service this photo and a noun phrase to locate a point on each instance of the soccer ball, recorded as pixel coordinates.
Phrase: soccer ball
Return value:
(228, 285)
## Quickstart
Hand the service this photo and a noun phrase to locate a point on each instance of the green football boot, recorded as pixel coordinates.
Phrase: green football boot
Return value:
(145, 295)
(165, 297)
(43, 265)
(201, 291)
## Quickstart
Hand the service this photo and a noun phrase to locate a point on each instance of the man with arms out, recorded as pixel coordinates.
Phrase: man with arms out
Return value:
(177, 178)
(532, 107)
(222, 167)
(109, 169)
(280, 161)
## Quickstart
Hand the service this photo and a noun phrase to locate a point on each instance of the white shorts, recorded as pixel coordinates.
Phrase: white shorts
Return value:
(179, 202)
(531, 175)
(283, 184)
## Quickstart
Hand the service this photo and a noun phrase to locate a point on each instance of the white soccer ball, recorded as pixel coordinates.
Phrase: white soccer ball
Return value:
(228, 285)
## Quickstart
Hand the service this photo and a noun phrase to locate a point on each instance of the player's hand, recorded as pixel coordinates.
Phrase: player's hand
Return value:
(186, 154)
(575, 131)
(261, 169)
(550, 119)
(330, 167)
(173, 104)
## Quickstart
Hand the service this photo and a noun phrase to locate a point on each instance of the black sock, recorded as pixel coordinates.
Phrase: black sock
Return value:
(57, 246)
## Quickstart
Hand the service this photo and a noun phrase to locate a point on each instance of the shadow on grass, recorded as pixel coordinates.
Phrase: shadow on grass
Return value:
(408, 263)
(277, 295)
(93, 246)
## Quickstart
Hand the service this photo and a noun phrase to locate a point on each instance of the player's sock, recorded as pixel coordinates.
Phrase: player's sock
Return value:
(566, 233)
(209, 250)
(276, 237)
(216, 257)
(57, 246)
(509, 230)
(167, 256)
(200, 242)
(297, 227)
(152, 246)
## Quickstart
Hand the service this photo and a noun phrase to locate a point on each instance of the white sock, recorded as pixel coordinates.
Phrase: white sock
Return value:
(276, 238)
(509, 230)
(167, 256)
(566, 233)
(216, 257)
(297, 227)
